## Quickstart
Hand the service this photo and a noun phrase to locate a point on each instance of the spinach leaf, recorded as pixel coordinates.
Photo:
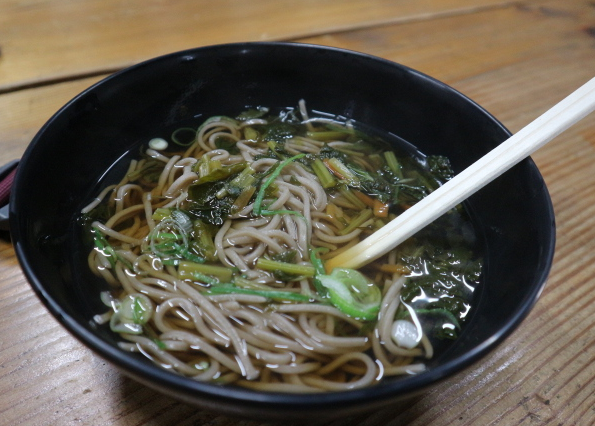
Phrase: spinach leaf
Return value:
(279, 131)
(440, 167)
(205, 205)
(443, 275)
(227, 144)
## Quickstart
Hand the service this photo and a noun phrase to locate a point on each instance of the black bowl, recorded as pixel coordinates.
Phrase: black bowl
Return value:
(68, 156)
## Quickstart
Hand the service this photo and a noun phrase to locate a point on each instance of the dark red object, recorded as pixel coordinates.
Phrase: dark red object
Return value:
(5, 187)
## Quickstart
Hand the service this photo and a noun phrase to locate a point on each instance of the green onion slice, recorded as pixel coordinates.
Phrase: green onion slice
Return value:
(352, 293)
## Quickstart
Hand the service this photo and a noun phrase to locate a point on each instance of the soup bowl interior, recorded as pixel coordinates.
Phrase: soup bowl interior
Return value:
(60, 170)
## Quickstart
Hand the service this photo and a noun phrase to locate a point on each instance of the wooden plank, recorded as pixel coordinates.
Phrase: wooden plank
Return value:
(52, 40)
(518, 44)
(22, 113)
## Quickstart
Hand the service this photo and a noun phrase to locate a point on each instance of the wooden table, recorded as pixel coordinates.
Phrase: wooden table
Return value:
(515, 58)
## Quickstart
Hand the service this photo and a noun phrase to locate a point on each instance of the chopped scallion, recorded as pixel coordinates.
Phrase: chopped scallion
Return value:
(184, 136)
(158, 144)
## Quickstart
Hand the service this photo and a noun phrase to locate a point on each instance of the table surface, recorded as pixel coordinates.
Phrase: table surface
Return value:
(515, 58)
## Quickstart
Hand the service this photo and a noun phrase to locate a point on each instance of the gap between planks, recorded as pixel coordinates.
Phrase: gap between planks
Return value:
(374, 24)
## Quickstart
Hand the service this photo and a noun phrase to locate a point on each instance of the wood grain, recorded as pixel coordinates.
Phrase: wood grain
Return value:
(514, 58)
(52, 40)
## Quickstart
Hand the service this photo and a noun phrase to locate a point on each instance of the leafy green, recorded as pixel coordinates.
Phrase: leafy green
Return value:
(442, 277)
(206, 206)
(202, 243)
(150, 171)
(279, 131)
(227, 144)
(211, 197)
(329, 152)
(439, 166)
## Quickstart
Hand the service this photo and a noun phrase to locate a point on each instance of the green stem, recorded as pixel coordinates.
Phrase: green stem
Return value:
(393, 163)
(187, 269)
(273, 295)
(260, 196)
(350, 196)
(357, 221)
(327, 180)
(288, 268)
(328, 135)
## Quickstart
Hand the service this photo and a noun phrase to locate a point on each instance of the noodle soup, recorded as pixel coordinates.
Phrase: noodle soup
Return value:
(213, 244)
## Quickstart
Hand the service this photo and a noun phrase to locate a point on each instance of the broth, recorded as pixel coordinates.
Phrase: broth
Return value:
(212, 244)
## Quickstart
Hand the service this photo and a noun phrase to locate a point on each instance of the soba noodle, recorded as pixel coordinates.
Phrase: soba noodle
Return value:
(195, 286)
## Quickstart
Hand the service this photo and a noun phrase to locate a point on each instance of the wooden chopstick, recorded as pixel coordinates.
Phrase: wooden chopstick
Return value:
(543, 129)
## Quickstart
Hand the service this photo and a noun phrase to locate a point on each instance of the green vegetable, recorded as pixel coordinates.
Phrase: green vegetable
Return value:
(350, 196)
(328, 135)
(220, 191)
(204, 204)
(287, 256)
(243, 199)
(279, 131)
(320, 270)
(316, 261)
(440, 167)
(393, 163)
(252, 113)
(187, 269)
(273, 294)
(251, 134)
(352, 293)
(103, 246)
(227, 144)
(108, 251)
(182, 220)
(339, 168)
(131, 313)
(150, 171)
(161, 213)
(443, 274)
(202, 243)
(288, 268)
(184, 253)
(184, 136)
(357, 221)
(211, 170)
(242, 181)
(327, 180)
(257, 209)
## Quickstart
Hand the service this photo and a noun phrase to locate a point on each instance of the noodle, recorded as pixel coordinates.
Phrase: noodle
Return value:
(189, 285)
